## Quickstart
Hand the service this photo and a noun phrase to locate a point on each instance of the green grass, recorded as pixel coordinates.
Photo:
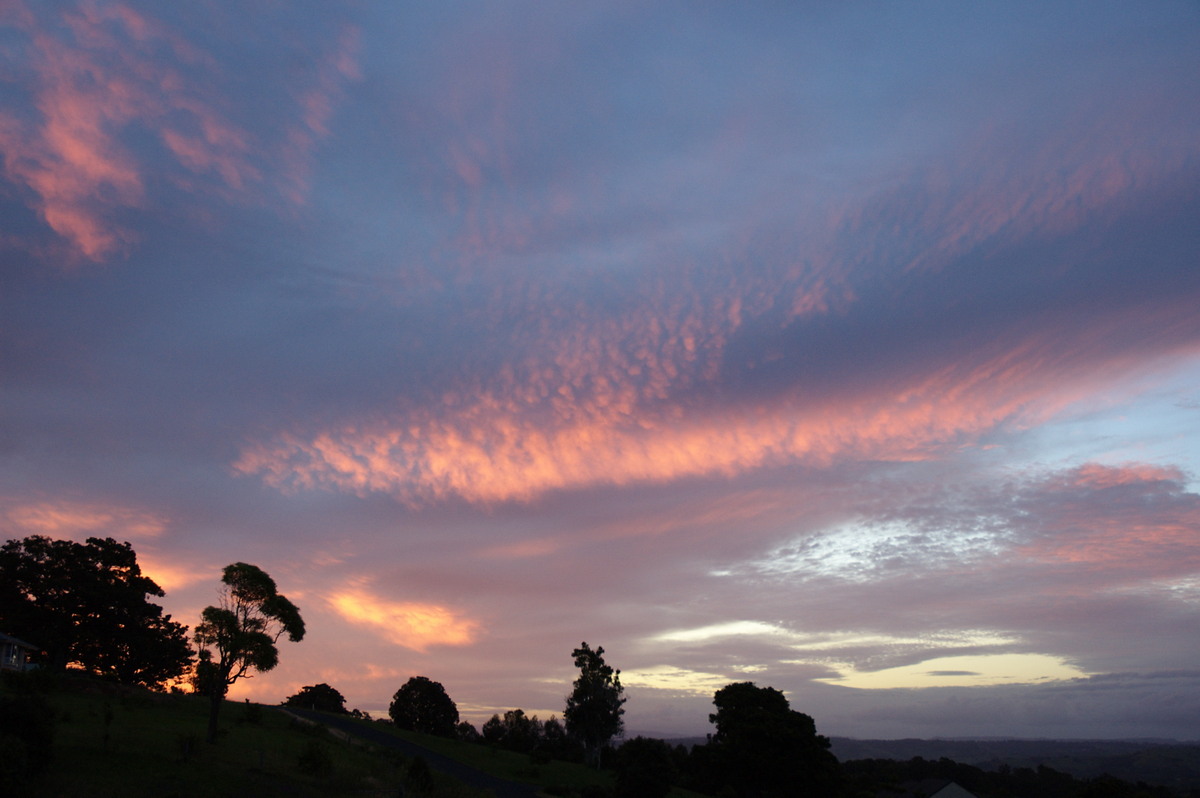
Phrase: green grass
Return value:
(114, 741)
(513, 766)
(117, 742)
(522, 767)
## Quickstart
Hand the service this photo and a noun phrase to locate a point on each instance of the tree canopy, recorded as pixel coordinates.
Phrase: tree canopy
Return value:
(422, 704)
(763, 748)
(594, 707)
(645, 768)
(239, 635)
(85, 605)
(320, 697)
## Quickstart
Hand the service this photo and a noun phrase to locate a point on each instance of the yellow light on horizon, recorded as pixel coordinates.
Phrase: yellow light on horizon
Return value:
(982, 670)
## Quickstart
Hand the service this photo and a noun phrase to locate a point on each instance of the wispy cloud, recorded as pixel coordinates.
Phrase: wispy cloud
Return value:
(410, 624)
(812, 347)
(80, 519)
(105, 75)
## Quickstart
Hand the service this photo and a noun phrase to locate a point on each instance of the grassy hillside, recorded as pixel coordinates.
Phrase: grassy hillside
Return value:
(112, 741)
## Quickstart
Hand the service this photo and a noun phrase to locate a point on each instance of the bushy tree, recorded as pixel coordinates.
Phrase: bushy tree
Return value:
(594, 708)
(239, 635)
(493, 730)
(557, 744)
(422, 704)
(645, 768)
(464, 730)
(85, 605)
(519, 732)
(762, 748)
(320, 697)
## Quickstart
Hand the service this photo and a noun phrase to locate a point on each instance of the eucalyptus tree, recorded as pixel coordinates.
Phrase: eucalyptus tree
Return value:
(239, 635)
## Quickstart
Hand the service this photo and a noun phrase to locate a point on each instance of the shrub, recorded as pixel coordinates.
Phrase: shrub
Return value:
(315, 760)
(645, 768)
(420, 777)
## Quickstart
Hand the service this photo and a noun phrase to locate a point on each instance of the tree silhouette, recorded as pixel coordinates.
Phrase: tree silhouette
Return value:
(645, 768)
(239, 635)
(422, 704)
(762, 748)
(594, 708)
(320, 697)
(85, 605)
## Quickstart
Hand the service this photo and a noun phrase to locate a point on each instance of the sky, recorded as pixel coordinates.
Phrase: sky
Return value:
(850, 349)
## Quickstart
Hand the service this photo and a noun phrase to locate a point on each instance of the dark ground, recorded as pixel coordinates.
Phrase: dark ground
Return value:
(442, 764)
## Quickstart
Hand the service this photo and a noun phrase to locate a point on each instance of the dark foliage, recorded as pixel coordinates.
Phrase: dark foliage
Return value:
(527, 734)
(594, 708)
(516, 731)
(315, 760)
(869, 776)
(467, 733)
(86, 605)
(645, 768)
(423, 705)
(240, 634)
(763, 748)
(320, 697)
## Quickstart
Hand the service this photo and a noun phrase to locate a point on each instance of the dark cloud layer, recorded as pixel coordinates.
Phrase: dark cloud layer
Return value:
(846, 350)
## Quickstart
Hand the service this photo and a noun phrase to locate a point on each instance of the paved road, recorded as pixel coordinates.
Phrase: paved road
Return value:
(443, 764)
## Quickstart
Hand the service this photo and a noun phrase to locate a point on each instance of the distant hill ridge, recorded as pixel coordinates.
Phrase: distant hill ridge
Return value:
(1168, 762)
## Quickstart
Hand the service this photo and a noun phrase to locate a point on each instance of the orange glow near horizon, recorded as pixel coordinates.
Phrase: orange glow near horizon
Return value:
(170, 575)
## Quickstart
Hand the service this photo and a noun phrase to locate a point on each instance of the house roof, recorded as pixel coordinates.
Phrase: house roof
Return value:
(17, 642)
(928, 788)
(952, 790)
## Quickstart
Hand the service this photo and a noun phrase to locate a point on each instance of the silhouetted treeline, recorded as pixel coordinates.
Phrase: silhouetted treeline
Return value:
(527, 734)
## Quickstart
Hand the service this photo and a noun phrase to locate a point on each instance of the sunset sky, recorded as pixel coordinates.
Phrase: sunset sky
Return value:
(847, 348)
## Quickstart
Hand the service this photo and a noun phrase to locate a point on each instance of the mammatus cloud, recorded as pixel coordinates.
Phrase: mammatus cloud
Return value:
(410, 624)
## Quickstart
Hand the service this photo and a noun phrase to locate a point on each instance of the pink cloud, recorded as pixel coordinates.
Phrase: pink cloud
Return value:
(413, 625)
(1135, 521)
(78, 520)
(316, 104)
(99, 71)
(494, 449)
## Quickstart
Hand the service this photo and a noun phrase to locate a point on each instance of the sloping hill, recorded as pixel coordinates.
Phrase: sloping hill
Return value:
(1170, 763)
